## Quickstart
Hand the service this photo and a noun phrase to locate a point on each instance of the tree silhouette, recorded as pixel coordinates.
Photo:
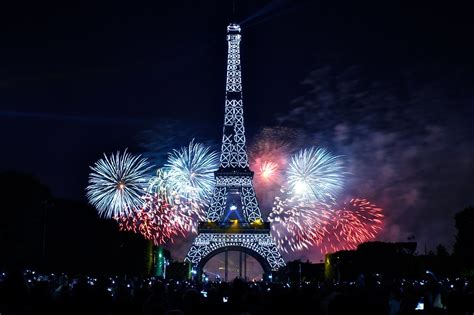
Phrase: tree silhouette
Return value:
(464, 246)
(40, 231)
(441, 251)
(22, 208)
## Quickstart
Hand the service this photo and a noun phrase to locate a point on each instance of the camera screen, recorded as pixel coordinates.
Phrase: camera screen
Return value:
(420, 306)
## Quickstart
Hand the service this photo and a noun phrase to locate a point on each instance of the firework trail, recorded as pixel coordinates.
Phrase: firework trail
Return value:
(297, 224)
(157, 220)
(191, 171)
(117, 183)
(316, 175)
(161, 185)
(157, 183)
(356, 222)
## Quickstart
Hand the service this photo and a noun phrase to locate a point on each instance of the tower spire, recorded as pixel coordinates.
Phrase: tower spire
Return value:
(233, 9)
(233, 151)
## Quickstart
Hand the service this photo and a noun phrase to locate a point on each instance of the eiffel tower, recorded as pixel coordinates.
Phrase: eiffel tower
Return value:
(234, 221)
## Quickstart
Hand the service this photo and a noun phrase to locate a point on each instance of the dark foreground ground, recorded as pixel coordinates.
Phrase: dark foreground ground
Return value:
(28, 292)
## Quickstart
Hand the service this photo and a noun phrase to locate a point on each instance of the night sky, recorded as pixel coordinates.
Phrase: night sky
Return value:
(388, 85)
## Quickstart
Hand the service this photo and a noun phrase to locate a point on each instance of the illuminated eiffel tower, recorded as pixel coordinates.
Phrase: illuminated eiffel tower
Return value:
(234, 221)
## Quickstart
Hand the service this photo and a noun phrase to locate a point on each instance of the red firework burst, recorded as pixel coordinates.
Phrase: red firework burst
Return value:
(267, 170)
(356, 222)
(299, 225)
(158, 220)
(268, 157)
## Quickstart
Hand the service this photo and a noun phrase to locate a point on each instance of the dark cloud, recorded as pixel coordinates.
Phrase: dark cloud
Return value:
(407, 141)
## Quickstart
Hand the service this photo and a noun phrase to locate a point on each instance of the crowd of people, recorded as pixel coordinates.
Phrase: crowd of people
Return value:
(29, 292)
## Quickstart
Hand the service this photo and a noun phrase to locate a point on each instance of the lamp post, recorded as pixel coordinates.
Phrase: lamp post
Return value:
(299, 271)
(166, 263)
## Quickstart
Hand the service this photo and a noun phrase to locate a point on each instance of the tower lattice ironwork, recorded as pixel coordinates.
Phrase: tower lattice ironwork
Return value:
(234, 220)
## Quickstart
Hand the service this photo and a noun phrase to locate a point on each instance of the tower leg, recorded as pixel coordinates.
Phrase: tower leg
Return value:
(226, 265)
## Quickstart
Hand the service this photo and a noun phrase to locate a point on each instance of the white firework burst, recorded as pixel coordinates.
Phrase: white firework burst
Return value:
(315, 174)
(191, 171)
(117, 184)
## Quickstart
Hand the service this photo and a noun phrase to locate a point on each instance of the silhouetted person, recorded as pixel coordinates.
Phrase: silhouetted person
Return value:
(192, 302)
(157, 302)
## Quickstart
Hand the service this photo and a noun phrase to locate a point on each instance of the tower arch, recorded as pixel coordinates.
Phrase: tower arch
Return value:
(267, 269)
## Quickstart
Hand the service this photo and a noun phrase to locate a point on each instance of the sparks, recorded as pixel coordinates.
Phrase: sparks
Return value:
(355, 222)
(297, 224)
(160, 185)
(191, 171)
(117, 183)
(157, 220)
(314, 174)
(268, 169)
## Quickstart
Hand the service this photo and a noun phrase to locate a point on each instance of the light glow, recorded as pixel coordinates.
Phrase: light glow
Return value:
(316, 175)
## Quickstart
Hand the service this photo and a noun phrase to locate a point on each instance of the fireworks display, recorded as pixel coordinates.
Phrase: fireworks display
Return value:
(117, 183)
(267, 170)
(268, 158)
(157, 220)
(296, 223)
(171, 203)
(157, 183)
(356, 222)
(299, 224)
(191, 171)
(314, 174)
(160, 185)
(268, 155)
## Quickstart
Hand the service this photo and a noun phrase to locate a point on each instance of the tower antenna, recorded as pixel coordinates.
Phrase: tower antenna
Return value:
(233, 10)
